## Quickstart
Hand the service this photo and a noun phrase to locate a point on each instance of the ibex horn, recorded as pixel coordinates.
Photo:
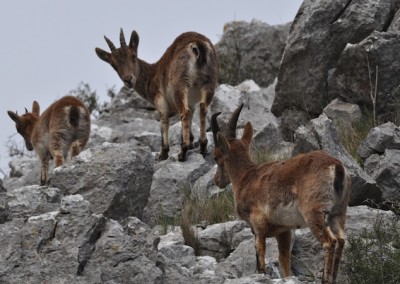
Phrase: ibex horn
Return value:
(233, 122)
(215, 127)
(110, 44)
(26, 111)
(122, 38)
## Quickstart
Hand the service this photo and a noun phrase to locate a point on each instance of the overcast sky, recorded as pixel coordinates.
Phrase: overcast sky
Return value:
(47, 47)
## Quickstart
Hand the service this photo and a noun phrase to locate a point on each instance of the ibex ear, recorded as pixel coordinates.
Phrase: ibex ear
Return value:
(103, 55)
(36, 108)
(247, 133)
(223, 143)
(13, 116)
(134, 42)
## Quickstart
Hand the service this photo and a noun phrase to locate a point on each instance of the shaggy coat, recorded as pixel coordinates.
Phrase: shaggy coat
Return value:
(63, 127)
(310, 190)
(187, 74)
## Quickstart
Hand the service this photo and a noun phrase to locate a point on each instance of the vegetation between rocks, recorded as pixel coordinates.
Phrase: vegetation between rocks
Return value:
(374, 255)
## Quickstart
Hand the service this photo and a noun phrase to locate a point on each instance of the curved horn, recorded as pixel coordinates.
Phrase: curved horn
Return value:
(110, 44)
(215, 127)
(233, 122)
(26, 111)
(122, 38)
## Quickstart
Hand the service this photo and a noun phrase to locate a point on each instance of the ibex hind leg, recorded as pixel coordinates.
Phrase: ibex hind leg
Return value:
(337, 225)
(322, 232)
(44, 168)
(75, 148)
(203, 137)
(284, 246)
(58, 147)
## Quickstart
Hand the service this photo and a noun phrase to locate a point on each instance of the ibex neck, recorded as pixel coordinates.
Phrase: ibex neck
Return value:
(146, 84)
(239, 168)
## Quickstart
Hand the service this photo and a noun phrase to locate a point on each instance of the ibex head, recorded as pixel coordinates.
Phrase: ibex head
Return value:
(226, 144)
(123, 59)
(26, 122)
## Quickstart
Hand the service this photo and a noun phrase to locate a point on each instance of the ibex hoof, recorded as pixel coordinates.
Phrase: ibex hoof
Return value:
(163, 156)
(181, 157)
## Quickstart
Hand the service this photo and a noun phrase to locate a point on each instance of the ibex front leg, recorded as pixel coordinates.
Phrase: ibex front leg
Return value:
(164, 126)
(185, 114)
(44, 168)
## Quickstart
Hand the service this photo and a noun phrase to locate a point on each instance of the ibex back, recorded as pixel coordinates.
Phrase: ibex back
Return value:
(310, 190)
(185, 75)
(63, 126)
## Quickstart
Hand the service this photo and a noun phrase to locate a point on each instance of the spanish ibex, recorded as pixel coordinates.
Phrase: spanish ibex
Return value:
(310, 190)
(185, 75)
(63, 126)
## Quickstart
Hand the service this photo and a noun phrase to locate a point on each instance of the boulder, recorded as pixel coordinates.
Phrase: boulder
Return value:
(343, 114)
(172, 180)
(114, 178)
(380, 138)
(385, 170)
(251, 51)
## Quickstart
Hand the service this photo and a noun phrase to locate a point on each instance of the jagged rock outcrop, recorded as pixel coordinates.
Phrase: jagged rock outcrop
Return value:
(91, 216)
(325, 55)
(251, 51)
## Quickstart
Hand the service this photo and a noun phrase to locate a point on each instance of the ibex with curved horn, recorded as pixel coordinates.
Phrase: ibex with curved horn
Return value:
(63, 127)
(185, 75)
(310, 190)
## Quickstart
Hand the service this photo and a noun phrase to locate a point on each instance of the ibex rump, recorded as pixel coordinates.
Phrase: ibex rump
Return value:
(185, 75)
(63, 126)
(310, 190)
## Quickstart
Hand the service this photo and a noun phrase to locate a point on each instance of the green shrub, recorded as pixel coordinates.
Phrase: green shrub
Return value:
(374, 255)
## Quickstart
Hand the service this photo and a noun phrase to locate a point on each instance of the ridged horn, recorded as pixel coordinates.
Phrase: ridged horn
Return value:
(26, 110)
(231, 133)
(122, 38)
(110, 44)
(215, 127)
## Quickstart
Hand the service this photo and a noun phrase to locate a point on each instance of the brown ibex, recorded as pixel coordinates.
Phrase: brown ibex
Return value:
(63, 126)
(185, 75)
(309, 190)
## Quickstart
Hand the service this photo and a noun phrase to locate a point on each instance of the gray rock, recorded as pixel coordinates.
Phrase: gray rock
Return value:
(343, 114)
(251, 51)
(30, 200)
(385, 170)
(170, 182)
(380, 138)
(181, 254)
(319, 34)
(114, 178)
(24, 171)
(219, 240)
(354, 77)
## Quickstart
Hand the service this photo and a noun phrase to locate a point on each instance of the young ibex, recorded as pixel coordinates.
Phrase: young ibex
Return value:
(64, 125)
(185, 75)
(310, 190)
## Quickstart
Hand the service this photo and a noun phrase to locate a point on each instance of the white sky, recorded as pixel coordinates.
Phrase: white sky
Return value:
(47, 47)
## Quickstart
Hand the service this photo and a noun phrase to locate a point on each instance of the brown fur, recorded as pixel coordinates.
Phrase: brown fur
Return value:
(63, 126)
(185, 75)
(310, 190)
